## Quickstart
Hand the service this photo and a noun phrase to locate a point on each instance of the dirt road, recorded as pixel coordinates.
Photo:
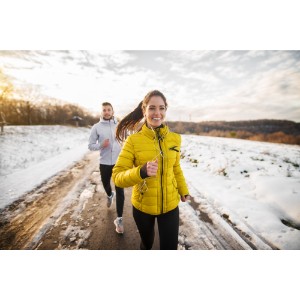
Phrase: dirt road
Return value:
(69, 212)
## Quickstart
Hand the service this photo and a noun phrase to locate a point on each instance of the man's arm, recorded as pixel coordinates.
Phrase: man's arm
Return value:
(94, 140)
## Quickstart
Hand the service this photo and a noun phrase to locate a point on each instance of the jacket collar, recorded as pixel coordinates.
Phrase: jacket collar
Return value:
(161, 131)
(113, 120)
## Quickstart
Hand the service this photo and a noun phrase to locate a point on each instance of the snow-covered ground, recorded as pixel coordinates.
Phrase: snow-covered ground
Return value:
(29, 155)
(254, 185)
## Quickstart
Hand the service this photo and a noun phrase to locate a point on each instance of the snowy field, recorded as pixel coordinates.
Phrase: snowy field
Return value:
(254, 185)
(29, 155)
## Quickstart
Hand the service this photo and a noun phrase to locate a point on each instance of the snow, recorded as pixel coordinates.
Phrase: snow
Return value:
(256, 184)
(32, 154)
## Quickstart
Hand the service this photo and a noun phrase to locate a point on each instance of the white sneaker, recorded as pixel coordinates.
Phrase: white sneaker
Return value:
(110, 199)
(119, 225)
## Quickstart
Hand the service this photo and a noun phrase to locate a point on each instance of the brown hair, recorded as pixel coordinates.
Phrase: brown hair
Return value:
(131, 121)
(107, 104)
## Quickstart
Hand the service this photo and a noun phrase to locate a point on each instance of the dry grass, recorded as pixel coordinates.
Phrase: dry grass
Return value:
(276, 137)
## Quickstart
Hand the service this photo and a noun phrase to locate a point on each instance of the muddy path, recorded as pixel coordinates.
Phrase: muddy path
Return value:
(69, 212)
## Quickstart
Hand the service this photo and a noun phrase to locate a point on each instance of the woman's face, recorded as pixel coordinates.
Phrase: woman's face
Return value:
(155, 111)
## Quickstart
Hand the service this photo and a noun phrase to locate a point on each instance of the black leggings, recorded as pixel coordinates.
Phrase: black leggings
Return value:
(168, 228)
(105, 173)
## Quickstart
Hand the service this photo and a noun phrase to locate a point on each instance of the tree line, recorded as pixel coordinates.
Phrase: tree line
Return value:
(28, 107)
(277, 131)
(46, 112)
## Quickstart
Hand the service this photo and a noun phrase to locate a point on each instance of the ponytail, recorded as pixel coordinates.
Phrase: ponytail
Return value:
(130, 122)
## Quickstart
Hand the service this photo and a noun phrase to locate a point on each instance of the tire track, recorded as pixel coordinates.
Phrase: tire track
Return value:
(223, 229)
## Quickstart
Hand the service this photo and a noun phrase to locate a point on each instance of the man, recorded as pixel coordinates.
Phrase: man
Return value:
(103, 139)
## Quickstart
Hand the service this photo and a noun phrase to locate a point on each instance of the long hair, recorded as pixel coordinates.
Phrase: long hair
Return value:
(132, 120)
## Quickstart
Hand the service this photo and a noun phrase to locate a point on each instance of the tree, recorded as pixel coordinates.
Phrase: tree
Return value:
(6, 89)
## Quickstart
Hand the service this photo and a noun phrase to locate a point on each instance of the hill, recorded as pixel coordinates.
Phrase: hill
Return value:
(279, 131)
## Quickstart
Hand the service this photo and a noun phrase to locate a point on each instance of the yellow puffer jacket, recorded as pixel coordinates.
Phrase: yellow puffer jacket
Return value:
(153, 195)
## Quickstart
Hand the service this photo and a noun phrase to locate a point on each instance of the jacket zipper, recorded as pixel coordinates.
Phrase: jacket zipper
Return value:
(161, 178)
(111, 143)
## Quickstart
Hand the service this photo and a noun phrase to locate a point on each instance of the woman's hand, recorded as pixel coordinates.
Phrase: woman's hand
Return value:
(185, 198)
(152, 167)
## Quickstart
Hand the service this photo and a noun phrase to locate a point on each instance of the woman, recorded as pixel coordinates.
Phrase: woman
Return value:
(150, 162)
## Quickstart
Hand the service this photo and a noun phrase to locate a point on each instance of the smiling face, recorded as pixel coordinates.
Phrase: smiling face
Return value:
(107, 112)
(155, 111)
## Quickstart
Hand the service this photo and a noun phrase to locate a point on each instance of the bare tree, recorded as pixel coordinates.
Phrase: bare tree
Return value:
(2, 122)
(6, 89)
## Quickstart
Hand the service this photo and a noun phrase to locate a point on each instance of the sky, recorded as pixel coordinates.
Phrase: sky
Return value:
(256, 184)
(199, 85)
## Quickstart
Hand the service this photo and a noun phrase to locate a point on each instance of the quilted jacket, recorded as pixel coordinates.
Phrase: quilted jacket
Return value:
(152, 195)
(105, 129)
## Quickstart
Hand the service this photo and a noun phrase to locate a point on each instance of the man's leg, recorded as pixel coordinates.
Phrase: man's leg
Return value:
(120, 205)
(105, 173)
(120, 201)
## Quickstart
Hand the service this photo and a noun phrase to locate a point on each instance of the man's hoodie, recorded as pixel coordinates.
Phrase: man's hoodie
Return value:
(105, 129)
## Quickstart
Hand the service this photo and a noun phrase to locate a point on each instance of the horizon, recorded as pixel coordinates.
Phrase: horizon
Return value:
(231, 121)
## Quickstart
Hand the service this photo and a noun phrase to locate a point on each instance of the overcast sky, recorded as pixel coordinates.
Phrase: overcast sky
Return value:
(199, 85)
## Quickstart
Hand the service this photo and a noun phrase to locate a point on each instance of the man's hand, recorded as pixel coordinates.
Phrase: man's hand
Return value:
(105, 143)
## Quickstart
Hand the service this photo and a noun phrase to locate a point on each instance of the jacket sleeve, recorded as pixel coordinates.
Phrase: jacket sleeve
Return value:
(181, 184)
(93, 140)
(124, 173)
